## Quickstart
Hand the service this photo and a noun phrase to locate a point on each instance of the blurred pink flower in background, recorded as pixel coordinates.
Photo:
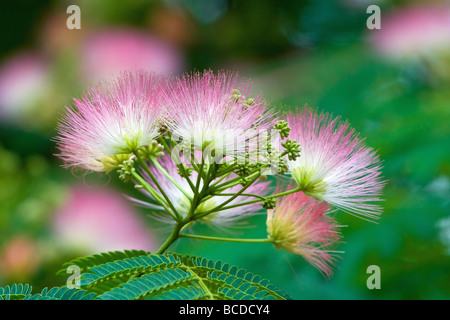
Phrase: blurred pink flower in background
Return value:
(20, 258)
(107, 53)
(415, 31)
(24, 79)
(100, 220)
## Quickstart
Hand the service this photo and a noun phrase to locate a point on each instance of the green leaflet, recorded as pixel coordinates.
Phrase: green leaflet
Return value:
(84, 263)
(165, 284)
(61, 293)
(15, 292)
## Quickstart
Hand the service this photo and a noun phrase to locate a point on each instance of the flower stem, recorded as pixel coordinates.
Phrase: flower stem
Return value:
(194, 236)
(210, 175)
(242, 194)
(223, 204)
(169, 203)
(185, 175)
(164, 144)
(153, 193)
(220, 179)
(172, 238)
(234, 182)
(226, 171)
(240, 204)
(281, 194)
(156, 163)
(197, 196)
(285, 193)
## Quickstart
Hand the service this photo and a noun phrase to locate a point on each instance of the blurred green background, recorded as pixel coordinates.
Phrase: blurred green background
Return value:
(392, 84)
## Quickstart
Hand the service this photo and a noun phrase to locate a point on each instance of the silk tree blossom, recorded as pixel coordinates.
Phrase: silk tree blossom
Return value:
(334, 164)
(113, 118)
(221, 220)
(215, 112)
(301, 225)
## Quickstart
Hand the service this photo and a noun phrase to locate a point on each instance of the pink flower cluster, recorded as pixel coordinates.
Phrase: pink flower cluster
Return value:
(119, 117)
(207, 111)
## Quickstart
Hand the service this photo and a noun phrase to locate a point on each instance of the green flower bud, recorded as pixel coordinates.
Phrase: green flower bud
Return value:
(292, 148)
(284, 129)
(269, 203)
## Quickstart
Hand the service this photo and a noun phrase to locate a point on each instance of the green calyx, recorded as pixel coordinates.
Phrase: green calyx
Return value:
(111, 163)
(132, 143)
(309, 184)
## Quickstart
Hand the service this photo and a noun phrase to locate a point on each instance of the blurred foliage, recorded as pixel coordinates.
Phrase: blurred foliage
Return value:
(296, 52)
(29, 192)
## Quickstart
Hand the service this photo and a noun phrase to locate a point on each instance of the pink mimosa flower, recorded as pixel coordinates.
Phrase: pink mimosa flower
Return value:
(300, 225)
(334, 163)
(215, 112)
(115, 118)
(220, 219)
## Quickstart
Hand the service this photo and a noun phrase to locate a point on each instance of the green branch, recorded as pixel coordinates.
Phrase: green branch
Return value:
(168, 176)
(153, 193)
(199, 237)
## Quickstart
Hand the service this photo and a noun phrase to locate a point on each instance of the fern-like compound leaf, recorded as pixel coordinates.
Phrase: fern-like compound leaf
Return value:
(171, 276)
